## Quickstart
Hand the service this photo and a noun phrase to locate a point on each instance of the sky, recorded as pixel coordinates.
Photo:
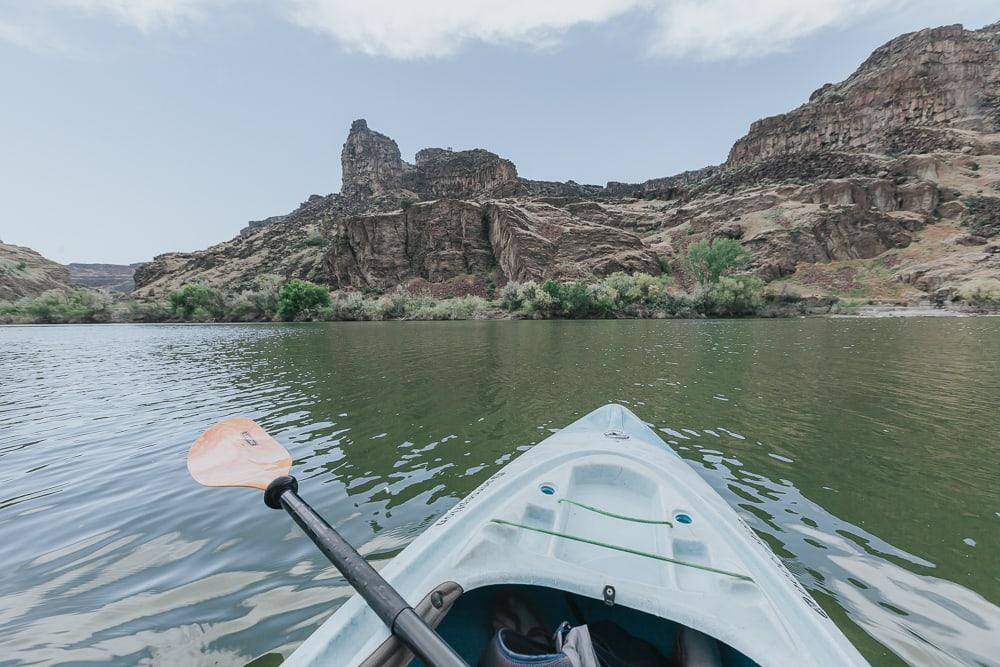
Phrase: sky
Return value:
(129, 128)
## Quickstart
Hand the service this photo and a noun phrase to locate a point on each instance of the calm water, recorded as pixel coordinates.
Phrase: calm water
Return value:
(865, 451)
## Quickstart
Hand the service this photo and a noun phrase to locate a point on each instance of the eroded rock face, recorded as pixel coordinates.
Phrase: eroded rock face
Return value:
(444, 239)
(536, 241)
(881, 194)
(436, 241)
(464, 174)
(826, 236)
(904, 98)
(371, 166)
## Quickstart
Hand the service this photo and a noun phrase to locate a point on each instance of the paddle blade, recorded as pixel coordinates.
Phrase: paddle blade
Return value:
(237, 452)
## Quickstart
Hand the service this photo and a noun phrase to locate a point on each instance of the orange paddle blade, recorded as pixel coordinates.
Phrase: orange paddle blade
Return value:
(237, 452)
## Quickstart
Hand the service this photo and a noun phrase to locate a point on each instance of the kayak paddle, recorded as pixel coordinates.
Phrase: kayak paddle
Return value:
(238, 452)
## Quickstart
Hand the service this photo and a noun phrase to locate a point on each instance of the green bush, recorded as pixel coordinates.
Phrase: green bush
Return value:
(455, 308)
(314, 240)
(260, 302)
(982, 293)
(736, 295)
(710, 260)
(510, 296)
(301, 299)
(575, 300)
(616, 294)
(148, 311)
(348, 307)
(58, 307)
(198, 302)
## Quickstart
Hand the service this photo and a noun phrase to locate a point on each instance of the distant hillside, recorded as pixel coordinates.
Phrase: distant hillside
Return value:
(23, 272)
(112, 277)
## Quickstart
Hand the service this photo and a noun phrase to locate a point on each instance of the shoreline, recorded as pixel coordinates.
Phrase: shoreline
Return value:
(863, 312)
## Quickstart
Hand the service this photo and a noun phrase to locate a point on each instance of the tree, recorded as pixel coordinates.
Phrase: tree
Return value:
(299, 298)
(710, 260)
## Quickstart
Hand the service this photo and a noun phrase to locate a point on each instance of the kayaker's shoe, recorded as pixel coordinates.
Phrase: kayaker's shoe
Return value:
(510, 649)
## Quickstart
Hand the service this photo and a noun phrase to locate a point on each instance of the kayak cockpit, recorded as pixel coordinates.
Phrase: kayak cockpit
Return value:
(469, 620)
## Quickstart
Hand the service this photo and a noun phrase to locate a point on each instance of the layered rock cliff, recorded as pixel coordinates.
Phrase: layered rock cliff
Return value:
(918, 93)
(393, 222)
(885, 186)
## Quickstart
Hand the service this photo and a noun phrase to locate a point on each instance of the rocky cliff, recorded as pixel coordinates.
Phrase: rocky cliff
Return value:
(920, 92)
(394, 222)
(884, 186)
(25, 273)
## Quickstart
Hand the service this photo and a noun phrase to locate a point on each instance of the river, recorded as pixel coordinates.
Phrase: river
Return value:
(864, 451)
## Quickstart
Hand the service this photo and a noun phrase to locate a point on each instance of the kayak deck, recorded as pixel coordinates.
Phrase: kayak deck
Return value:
(605, 503)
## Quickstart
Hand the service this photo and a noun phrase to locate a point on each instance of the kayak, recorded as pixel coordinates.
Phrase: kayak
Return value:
(600, 522)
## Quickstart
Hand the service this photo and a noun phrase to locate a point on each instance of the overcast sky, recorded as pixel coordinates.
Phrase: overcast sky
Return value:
(129, 128)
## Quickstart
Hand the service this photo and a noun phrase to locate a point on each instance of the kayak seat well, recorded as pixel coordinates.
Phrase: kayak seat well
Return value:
(469, 626)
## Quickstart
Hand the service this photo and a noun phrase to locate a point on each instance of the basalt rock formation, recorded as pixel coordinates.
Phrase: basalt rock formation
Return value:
(884, 186)
(915, 94)
(394, 222)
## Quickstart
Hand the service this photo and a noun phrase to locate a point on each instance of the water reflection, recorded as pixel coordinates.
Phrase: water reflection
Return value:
(855, 448)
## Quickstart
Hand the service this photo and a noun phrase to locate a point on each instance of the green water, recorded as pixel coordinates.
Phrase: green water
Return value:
(864, 451)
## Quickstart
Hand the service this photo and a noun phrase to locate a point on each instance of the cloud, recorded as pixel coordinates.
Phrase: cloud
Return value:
(16, 34)
(724, 29)
(412, 29)
(146, 15)
(406, 29)
(699, 29)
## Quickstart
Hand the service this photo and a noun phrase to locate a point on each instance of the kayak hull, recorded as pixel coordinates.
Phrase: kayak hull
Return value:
(601, 505)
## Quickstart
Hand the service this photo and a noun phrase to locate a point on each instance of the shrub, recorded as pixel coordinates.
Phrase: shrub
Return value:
(710, 260)
(664, 264)
(148, 311)
(509, 299)
(737, 295)
(22, 265)
(645, 289)
(300, 299)
(198, 301)
(982, 292)
(56, 306)
(349, 306)
(260, 302)
(455, 308)
(314, 240)
(576, 300)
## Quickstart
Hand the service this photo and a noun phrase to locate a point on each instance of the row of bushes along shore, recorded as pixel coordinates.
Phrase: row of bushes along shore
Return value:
(273, 299)
(719, 292)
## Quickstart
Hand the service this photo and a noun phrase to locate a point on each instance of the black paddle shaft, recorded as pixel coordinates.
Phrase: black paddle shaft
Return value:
(390, 606)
